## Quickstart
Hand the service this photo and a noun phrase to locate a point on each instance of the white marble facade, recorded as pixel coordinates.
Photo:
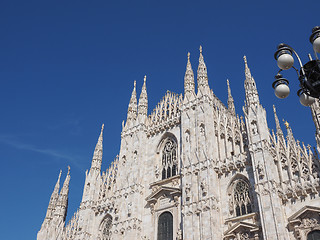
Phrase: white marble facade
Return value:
(193, 169)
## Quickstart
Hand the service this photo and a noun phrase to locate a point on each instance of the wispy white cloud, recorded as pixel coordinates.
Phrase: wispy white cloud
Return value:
(9, 140)
(72, 124)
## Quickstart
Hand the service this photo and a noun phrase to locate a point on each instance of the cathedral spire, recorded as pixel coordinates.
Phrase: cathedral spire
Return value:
(252, 96)
(97, 155)
(290, 137)
(53, 199)
(278, 127)
(315, 111)
(143, 103)
(132, 108)
(230, 100)
(202, 76)
(189, 92)
(63, 198)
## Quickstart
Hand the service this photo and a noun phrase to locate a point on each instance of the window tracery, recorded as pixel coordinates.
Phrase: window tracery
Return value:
(106, 226)
(169, 159)
(242, 201)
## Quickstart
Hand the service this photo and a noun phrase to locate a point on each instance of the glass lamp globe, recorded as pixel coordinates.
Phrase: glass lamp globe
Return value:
(285, 61)
(306, 100)
(316, 44)
(282, 90)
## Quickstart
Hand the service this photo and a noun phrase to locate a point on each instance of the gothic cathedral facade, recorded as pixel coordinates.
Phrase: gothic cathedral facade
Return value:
(194, 170)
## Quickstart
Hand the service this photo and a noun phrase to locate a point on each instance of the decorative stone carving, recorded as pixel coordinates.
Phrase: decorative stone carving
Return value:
(304, 221)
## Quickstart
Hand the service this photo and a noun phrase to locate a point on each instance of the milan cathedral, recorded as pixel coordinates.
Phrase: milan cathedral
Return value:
(194, 169)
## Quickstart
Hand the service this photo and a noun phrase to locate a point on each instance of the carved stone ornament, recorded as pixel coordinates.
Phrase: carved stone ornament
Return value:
(304, 221)
(242, 231)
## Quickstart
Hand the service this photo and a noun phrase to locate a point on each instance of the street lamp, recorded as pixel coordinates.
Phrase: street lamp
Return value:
(308, 75)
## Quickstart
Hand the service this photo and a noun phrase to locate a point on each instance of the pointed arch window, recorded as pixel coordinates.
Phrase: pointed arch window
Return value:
(105, 228)
(314, 235)
(165, 226)
(169, 159)
(242, 201)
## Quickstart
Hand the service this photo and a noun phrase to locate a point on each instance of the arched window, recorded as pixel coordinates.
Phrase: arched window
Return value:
(314, 235)
(169, 159)
(105, 228)
(242, 201)
(165, 226)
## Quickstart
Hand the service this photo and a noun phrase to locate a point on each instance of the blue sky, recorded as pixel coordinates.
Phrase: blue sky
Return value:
(66, 67)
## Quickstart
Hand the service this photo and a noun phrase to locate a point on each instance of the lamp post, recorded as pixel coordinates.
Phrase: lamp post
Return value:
(308, 75)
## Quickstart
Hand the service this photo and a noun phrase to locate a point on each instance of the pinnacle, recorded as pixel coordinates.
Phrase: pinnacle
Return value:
(189, 80)
(278, 127)
(252, 96)
(230, 99)
(143, 100)
(245, 59)
(247, 70)
(229, 90)
(202, 75)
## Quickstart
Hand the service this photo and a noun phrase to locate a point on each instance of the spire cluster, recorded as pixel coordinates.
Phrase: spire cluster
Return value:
(57, 208)
(137, 112)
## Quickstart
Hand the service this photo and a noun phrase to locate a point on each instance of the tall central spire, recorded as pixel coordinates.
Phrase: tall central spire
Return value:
(202, 76)
(97, 155)
(189, 92)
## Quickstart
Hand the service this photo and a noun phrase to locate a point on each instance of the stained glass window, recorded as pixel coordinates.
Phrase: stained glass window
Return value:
(106, 228)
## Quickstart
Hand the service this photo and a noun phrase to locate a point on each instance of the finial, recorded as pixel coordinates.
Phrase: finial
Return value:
(200, 49)
(145, 78)
(189, 56)
(68, 170)
(102, 127)
(286, 123)
(245, 59)
(229, 90)
(134, 84)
